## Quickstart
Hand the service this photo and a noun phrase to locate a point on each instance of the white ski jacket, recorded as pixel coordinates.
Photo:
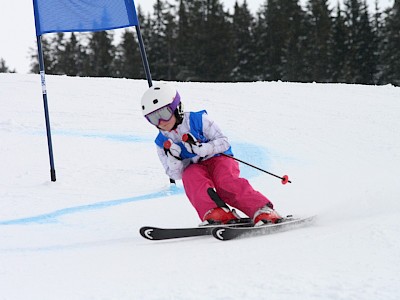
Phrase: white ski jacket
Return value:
(204, 129)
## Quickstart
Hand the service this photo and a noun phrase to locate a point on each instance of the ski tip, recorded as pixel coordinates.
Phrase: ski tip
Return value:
(147, 232)
(288, 222)
(218, 233)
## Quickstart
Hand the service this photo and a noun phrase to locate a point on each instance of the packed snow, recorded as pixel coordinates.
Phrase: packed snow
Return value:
(78, 237)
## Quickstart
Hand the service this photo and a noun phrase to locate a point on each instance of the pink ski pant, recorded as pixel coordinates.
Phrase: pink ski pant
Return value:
(222, 174)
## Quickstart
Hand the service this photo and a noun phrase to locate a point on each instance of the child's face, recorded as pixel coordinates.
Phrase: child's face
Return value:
(167, 125)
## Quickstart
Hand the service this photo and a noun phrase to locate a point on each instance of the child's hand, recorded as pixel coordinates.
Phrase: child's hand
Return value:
(172, 149)
(202, 149)
(195, 147)
(173, 152)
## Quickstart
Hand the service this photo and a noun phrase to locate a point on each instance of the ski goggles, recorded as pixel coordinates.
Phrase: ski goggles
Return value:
(164, 113)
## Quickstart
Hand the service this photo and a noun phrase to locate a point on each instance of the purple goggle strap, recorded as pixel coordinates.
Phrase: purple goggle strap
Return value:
(175, 102)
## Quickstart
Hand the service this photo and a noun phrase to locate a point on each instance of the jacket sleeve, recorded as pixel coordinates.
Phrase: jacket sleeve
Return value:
(215, 136)
(173, 174)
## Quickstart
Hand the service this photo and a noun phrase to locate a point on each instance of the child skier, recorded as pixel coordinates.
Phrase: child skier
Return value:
(211, 180)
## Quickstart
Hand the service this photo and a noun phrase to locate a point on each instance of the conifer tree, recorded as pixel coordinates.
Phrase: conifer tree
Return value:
(204, 43)
(294, 67)
(160, 45)
(171, 29)
(358, 67)
(217, 48)
(57, 49)
(73, 59)
(243, 44)
(4, 68)
(197, 60)
(378, 28)
(184, 43)
(319, 41)
(339, 46)
(47, 57)
(272, 41)
(352, 20)
(368, 47)
(390, 52)
(280, 33)
(101, 54)
(128, 62)
(262, 45)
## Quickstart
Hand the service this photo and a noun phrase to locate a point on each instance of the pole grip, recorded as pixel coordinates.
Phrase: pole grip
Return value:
(167, 144)
(189, 138)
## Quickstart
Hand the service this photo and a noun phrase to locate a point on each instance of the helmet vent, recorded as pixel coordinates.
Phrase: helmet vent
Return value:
(143, 107)
(155, 101)
(157, 88)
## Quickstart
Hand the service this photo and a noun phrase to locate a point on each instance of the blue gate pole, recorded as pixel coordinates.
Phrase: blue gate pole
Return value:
(146, 65)
(144, 56)
(46, 110)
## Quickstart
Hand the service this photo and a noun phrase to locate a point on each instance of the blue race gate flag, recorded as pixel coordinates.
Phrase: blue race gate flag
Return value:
(83, 15)
(78, 16)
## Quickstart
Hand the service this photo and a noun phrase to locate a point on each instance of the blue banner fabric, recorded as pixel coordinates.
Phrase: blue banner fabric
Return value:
(83, 15)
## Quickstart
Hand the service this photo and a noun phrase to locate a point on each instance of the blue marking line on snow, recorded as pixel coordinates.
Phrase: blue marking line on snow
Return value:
(108, 136)
(253, 154)
(52, 217)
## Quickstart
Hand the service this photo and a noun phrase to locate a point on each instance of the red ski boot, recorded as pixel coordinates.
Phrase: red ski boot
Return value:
(266, 215)
(220, 215)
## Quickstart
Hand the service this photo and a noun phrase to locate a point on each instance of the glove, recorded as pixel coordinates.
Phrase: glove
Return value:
(173, 152)
(195, 147)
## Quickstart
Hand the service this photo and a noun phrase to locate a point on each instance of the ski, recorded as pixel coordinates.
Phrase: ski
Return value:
(156, 233)
(290, 222)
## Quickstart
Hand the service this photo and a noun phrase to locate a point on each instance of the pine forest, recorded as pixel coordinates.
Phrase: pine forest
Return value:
(200, 40)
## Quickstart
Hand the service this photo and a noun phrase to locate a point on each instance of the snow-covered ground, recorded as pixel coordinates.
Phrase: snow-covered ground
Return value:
(78, 237)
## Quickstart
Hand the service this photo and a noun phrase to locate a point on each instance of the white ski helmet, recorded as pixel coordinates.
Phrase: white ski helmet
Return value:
(158, 96)
(161, 102)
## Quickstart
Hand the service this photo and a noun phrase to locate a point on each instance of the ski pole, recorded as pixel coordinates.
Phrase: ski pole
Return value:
(284, 178)
(167, 146)
(190, 139)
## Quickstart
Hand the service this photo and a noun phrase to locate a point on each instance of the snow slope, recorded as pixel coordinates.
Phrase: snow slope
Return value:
(77, 238)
